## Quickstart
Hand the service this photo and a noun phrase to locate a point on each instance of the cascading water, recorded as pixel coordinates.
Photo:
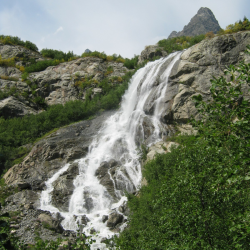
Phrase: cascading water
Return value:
(115, 149)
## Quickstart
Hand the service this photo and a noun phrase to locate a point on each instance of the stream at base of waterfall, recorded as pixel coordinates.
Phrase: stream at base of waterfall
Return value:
(113, 153)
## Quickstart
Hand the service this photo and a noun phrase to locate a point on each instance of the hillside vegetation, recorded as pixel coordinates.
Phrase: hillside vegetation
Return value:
(198, 196)
(14, 40)
(184, 42)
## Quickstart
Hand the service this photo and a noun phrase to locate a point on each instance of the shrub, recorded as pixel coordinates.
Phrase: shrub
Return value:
(14, 40)
(131, 63)
(9, 78)
(210, 34)
(101, 55)
(179, 43)
(10, 62)
(57, 54)
(237, 26)
(42, 65)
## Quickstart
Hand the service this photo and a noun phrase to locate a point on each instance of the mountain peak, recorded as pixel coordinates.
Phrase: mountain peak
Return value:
(203, 22)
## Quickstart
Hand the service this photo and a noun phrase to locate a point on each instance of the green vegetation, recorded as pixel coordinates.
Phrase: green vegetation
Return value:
(179, 43)
(14, 40)
(198, 196)
(237, 26)
(131, 63)
(103, 56)
(42, 65)
(10, 62)
(57, 54)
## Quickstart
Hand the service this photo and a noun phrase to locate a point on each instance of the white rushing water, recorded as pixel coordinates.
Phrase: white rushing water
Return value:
(117, 140)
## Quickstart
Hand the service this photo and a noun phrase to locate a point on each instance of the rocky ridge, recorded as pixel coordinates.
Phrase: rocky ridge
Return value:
(56, 84)
(203, 22)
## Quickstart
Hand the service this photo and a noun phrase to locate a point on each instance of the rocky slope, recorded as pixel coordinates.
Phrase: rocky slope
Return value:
(190, 76)
(203, 22)
(57, 84)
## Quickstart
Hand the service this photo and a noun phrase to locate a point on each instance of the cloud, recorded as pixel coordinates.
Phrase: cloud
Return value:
(122, 27)
(59, 29)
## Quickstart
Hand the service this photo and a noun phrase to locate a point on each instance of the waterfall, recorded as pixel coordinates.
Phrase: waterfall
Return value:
(115, 150)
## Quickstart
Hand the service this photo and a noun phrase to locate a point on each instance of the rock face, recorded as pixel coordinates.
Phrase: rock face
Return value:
(51, 153)
(150, 52)
(63, 188)
(110, 173)
(203, 22)
(11, 107)
(57, 84)
(192, 73)
(160, 147)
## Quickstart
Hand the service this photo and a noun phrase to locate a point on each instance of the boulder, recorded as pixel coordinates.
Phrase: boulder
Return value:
(150, 52)
(50, 223)
(11, 107)
(160, 147)
(114, 219)
(64, 187)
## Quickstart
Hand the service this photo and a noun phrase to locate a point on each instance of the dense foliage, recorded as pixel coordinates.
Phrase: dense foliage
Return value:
(42, 65)
(14, 40)
(129, 63)
(198, 196)
(57, 54)
(179, 43)
(241, 25)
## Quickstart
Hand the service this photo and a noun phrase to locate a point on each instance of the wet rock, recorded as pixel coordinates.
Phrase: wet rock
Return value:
(114, 219)
(23, 185)
(103, 240)
(105, 218)
(92, 231)
(84, 220)
(64, 187)
(124, 209)
(89, 203)
(103, 175)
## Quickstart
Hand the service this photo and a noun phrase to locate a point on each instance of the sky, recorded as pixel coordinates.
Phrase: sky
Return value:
(122, 27)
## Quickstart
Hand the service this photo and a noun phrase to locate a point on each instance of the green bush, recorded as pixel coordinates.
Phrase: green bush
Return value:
(42, 65)
(14, 40)
(179, 43)
(241, 25)
(131, 63)
(57, 54)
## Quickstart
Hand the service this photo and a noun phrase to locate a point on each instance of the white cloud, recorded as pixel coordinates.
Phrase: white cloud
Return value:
(122, 27)
(59, 29)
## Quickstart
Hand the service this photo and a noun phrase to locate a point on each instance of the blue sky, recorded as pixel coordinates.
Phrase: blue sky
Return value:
(114, 26)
